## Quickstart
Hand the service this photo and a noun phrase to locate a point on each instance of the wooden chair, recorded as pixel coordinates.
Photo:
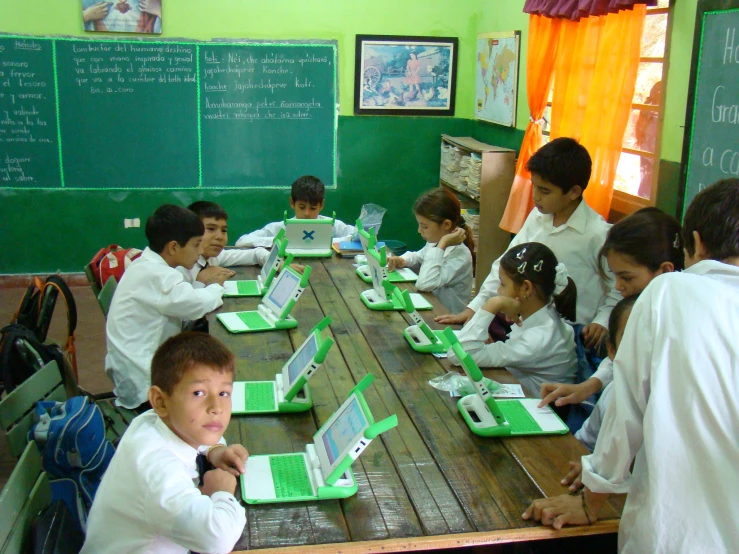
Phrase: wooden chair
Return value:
(26, 494)
(106, 295)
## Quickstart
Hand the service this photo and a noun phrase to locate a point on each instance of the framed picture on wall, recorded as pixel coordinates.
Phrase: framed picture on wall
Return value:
(397, 75)
(122, 16)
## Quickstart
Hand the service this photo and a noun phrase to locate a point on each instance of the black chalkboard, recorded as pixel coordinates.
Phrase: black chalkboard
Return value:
(127, 114)
(711, 143)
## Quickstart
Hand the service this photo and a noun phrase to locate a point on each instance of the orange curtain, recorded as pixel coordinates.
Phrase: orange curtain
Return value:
(542, 47)
(595, 69)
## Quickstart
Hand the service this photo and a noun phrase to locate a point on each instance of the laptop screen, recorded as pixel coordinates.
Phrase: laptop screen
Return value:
(270, 261)
(376, 273)
(345, 430)
(283, 289)
(302, 358)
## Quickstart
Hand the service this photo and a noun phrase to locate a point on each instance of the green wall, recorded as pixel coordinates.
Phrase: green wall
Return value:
(387, 160)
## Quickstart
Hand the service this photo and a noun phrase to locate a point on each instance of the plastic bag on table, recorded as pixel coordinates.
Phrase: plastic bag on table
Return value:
(460, 383)
(371, 216)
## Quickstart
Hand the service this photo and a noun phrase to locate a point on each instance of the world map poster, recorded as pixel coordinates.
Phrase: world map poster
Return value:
(496, 83)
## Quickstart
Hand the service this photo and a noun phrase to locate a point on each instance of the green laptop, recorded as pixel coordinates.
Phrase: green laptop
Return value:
(488, 417)
(420, 336)
(323, 471)
(274, 311)
(260, 285)
(289, 391)
(309, 238)
(368, 240)
(382, 296)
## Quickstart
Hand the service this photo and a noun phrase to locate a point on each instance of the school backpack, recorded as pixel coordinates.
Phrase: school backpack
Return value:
(74, 451)
(22, 348)
(112, 262)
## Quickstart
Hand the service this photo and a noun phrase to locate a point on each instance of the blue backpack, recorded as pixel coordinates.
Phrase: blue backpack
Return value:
(75, 453)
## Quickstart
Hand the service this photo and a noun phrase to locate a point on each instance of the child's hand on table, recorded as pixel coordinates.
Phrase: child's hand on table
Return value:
(574, 477)
(455, 319)
(562, 393)
(215, 274)
(300, 268)
(231, 459)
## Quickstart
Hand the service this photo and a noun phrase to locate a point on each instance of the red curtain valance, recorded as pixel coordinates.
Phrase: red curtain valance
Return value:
(575, 9)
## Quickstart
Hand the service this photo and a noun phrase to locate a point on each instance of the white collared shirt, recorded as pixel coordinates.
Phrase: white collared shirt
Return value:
(227, 258)
(604, 373)
(542, 350)
(447, 273)
(148, 500)
(674, 411)
(149, 306)
(576, 244)
(588, 433)
(265, 236)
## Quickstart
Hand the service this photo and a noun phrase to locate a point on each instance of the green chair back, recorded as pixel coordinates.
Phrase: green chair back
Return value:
(105, 298)
(91, 280)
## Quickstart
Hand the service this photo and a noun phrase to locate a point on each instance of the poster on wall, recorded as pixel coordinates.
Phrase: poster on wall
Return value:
(122, 16)
(496, 80)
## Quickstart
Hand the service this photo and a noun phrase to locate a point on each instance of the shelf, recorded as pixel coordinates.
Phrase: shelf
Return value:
(464, 192)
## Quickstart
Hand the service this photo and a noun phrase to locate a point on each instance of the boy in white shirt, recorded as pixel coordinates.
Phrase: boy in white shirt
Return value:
(214, 259)
(674, 413)
(153, 300)
(306, 200)
(149, 499)
(560, 171)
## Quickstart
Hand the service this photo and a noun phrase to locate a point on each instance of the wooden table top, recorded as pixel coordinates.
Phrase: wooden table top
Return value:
(429, 483)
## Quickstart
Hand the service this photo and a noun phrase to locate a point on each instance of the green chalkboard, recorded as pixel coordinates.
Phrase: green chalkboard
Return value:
(711, 144)
(129, 114)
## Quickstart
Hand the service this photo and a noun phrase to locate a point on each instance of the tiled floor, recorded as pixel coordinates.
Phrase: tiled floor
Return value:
(90, 342)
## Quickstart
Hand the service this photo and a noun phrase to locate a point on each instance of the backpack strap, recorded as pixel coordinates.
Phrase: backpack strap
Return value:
(51, 289)
(27, 312)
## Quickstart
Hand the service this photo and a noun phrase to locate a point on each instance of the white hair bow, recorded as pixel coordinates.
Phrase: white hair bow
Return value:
(560, 278)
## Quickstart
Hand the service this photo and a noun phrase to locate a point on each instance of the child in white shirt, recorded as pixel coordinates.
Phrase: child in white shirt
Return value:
(153, 300)
(446, 261)
(560, 172)
(536, 293)
(149, 499)
(214, 260)
(306, 200)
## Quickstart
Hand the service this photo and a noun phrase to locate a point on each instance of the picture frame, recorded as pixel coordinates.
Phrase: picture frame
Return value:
(122, 16)
(405, 75)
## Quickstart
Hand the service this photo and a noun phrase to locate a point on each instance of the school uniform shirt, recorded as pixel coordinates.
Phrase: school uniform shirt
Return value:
(447, 273)
(265, 236)
(148, 500)
(588, 433)
(541, 350)
(604, 373)
(576, 244)
(674, 413)
(227, 258)
(149, 305)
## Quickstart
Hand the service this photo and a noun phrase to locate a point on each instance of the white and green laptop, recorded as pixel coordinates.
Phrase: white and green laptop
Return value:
(381, 296)
(258, 286)
(420, 336)
(274, 311)
(488, 417)
(368, 239)
(289, 391)
(309, 238)
(323, 471)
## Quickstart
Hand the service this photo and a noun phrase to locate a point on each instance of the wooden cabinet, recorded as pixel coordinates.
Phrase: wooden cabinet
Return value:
(481, 175)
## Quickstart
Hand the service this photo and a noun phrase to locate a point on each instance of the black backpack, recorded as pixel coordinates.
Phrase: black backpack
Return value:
(22, 348)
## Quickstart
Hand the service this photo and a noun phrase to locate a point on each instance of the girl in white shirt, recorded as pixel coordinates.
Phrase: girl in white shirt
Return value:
(638, 248)
(538, 295)
(447, 260)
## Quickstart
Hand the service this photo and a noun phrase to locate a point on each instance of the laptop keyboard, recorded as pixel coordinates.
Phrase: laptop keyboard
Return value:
(290, 476)
(253, 320)
(518, 416)
(259, 396)
(249, 288)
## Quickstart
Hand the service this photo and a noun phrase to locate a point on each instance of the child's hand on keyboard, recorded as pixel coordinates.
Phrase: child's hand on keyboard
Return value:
(230, 458)
(217, 480)
(395, 262)
(215, 274)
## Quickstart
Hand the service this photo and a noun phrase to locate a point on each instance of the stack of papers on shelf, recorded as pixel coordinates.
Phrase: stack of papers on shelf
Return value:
(450, 160)
(474, 171)
(472, 219)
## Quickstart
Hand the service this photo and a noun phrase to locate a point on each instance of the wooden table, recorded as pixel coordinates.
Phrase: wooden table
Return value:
(429, 483)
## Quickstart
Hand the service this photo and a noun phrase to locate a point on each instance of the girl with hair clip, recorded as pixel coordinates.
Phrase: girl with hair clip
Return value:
(447, 260)
(537, 294)
(637, 249)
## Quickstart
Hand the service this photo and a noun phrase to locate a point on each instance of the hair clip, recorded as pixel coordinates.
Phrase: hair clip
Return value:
(521, 268)
(520, 255)
(539, 265)
(676, 244)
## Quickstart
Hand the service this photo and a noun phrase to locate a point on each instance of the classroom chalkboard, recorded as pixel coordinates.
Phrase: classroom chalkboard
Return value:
(135, 114)
(711, 143)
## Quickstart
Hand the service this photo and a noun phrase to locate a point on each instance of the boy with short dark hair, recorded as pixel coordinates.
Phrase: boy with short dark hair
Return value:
(153, 300)
(214, 259)
(306, 200)
(562, 220)
(148, 500)
(669, 435)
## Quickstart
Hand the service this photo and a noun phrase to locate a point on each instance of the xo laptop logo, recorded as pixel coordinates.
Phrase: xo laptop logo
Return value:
(308, 235)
